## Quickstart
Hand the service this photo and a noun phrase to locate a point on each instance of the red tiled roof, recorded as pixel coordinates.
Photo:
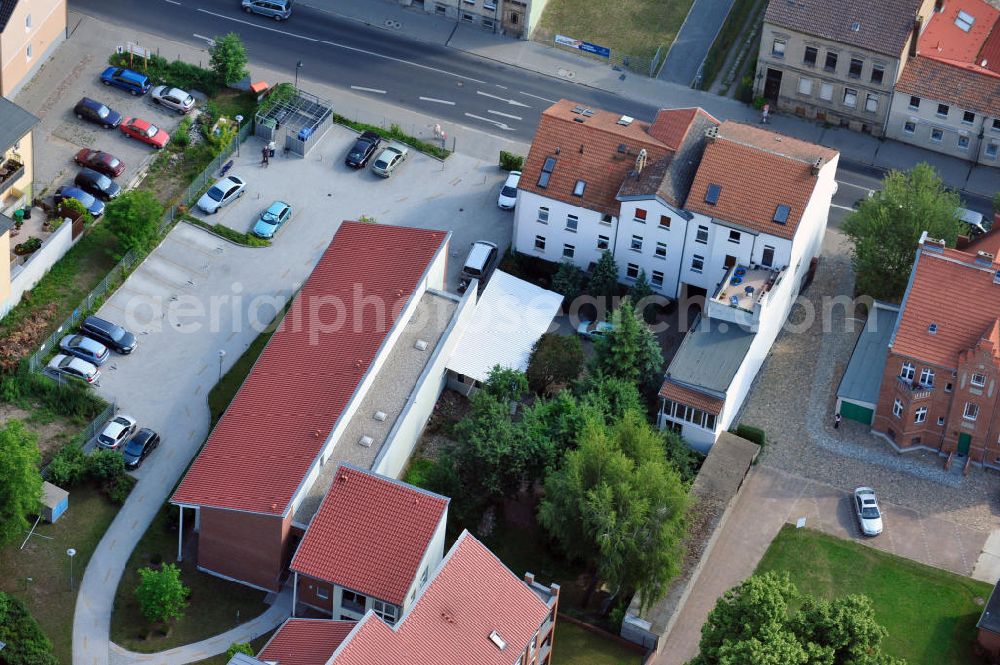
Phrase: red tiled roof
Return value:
(588, 151)
(942, 39)
(949, 290)
(472, 595)
(671, 125)
(988, 242)
(970, 88)
(370, 534)
(758, 170)
(258, 454)
(305, 641)
(698, 400)
(991, 50)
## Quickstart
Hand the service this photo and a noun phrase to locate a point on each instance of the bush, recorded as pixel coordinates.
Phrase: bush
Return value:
(105, 465)
(511, 162)
(26, 643)
(181, 136)
(68, 467)
(751, 433)
(239, 647)
(247, 239)
(177, 73)
(118, 488)
(394, 132)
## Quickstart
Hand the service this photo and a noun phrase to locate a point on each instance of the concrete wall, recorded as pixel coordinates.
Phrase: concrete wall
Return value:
(917, 124)
(47, 30)
(405, 433)
(246, 547)
(25, 276)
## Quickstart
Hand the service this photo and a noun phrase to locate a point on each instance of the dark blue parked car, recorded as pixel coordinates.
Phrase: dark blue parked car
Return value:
(93, 206)
(126, 79)
(93, 111)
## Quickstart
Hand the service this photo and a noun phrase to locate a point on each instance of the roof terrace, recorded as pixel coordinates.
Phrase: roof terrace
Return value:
(743, 294)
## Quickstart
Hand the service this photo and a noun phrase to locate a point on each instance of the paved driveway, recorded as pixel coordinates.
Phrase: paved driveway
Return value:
(197, 294)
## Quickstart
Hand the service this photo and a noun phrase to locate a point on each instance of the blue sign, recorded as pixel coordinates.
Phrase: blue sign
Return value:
(587, 47)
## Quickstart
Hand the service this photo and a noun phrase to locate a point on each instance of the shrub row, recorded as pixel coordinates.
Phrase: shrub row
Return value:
(176, 73)
(246, 239)
(511, 162)
(395, 132)
(751, 433)
(71, 466)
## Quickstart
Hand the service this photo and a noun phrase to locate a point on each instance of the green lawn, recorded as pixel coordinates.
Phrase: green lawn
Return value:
(256, 644)
(930, 614)
(225, 390)
(216, 605)
(48, 594)
(633, 27)
(574, 645)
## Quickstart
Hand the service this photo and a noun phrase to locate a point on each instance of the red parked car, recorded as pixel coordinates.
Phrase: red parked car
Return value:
(145, 131)
(102, 162)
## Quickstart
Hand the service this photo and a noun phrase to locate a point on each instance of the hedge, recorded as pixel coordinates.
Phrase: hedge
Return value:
(26, 643)
(751, 433)
(177, 73)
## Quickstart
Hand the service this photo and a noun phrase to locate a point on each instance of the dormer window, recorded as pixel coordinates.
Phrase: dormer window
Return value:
(712, 194)
(547, 167)
(579, 187)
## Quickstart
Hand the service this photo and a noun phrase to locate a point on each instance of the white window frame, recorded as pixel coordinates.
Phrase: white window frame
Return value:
(698, 259)
(909, 127)
(665, 218)
(636, 244)
(656, 279)
(632, 271)
(322, 592)
(661, 251)
(543, 215)
(539, 240)
(637, 219)
(805, 86)
(897, 408)
(603, 242)
(920, 415)
(871, 102)
(939, 133)
(826, 91)
(907, 371)
(572, 223)
(992, 148)
(778, 47)
(927, 377)
(701, 235)
(962, 146)
(971, 411)
(980, 383)
(852, 95)
(569, 251)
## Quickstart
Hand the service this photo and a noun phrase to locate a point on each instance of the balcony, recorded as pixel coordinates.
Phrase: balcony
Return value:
(743, 295)
(11, 171)
(913, 390)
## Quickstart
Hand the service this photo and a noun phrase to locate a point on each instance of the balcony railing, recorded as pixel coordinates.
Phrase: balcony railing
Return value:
(914, 389)
(10, 172)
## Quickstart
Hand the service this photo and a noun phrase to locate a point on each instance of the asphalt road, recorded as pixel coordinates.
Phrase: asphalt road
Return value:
(392, 68)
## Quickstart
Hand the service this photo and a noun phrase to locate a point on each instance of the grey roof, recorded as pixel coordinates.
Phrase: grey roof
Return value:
(243, 659)
(6, 11)
(990, 618)
(15, 122)
(710, 355)
(863, 377)
(882, 26)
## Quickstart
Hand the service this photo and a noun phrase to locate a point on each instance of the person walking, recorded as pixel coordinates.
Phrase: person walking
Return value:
(836, 421)
(765, 113)
(265, 156)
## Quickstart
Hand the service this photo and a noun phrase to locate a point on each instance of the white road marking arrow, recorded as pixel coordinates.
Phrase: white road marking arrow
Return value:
(506, 115)
(512, 102)
(492, 122)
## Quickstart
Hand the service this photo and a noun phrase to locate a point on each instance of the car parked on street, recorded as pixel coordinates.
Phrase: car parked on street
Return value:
(173, 98)
(363, 149)
(867, 511)
(594, 329)
(116, 432)
(130, 81)
(102, 162)
(145, 131)
(508, 193)
(85, 348)
(479, 264)
(94, 111)
(222, 194)
(138, 448)
(93, 206)
(71, 367)
(110, 334)
(272, 219)
(387, 160)
(97, 184)
(279, 10)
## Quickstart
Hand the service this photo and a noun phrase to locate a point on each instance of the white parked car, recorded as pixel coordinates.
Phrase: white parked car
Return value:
(867, 510)
(63, 365)
(222, 193)
(118, 430)
(173, 98)
(390, 157)
(508, 193)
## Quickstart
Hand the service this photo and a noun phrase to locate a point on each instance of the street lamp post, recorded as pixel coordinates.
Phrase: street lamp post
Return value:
(222, 354)
(71, 553)
(298, 66)
(239, 128)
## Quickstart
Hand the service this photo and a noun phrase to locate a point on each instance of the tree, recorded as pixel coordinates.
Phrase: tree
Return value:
(505, 384)
(26, 643)
(228, 58)
(161, 594)
(134, 217)
(609, 395)
(555, 362)
(640, 291)
(754, 623)
(20, 482)
(630, 350)
(568, 281)
(604, 279)
(618, 506)
(886, 228)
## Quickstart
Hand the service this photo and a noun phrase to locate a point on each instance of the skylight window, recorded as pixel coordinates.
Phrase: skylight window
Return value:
(964, 21)
(498, 641)
(543, 177)
(781, 213)
(578, 189)
(932, 328)
(712, 194)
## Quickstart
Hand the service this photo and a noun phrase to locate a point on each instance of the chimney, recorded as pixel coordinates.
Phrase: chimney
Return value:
(816, 166)
(932, 244)
(529, 578)
(961, 242)
(984, 259)
(918, 24)
(712, 133)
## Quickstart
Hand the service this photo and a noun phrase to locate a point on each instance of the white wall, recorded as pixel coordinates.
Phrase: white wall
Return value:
(584, 239)
(925, 119)
(429, 562)
(24, 277)
(652, 232)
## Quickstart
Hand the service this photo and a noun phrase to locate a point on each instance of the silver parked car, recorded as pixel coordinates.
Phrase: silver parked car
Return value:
(867, 510)
(118, 430)
(71, 367)
(172, 98)
(391, 157)
(222, 193)
(85, 348)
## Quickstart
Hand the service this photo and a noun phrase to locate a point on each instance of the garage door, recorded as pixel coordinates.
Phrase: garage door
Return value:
(862, 414)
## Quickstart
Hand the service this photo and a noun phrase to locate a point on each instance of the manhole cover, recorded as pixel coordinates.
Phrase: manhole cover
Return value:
(566, 73)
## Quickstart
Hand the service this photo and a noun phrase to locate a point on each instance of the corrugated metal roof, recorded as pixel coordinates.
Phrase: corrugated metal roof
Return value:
(710, 355)
(510, 317)
(258, 454)
(305, 641)
(863, 377)
(370, 534)
(15, 122)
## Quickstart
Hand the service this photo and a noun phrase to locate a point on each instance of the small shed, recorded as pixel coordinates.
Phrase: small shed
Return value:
(55, 501)
(858, 392)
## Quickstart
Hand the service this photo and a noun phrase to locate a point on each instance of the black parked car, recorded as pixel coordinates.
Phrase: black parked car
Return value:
(363, 149)
(93, 111)
(97, 184)
(109, 334)
(139, 447)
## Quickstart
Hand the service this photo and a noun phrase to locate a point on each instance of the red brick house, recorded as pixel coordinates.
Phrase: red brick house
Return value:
(941, 379)
(473, 610)
(371, 547)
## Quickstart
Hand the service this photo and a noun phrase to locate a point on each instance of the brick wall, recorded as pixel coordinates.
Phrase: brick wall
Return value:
(248, 547)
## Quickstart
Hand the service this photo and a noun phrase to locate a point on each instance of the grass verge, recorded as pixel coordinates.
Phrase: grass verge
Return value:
(634, 27)
(44, 561)
(575, 645)
(728, 39)
(245, 239)
(215, 604)
(930, 614)
(395, 133)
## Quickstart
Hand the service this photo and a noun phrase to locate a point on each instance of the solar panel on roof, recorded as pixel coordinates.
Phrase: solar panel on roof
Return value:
(781, 213)
(712, 194)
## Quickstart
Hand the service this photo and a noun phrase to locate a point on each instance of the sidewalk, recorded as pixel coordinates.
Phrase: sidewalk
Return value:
(548, 60)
